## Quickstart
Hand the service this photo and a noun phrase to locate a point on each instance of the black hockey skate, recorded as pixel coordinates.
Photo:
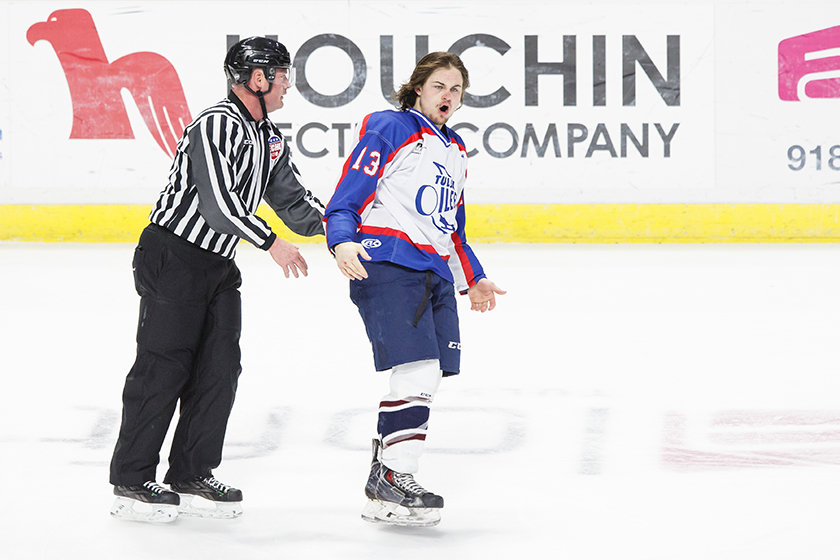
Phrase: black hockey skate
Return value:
(204, 496)
(396, 498)
(148, 502)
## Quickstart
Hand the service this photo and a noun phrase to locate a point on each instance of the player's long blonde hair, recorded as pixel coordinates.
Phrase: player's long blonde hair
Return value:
(406, 96)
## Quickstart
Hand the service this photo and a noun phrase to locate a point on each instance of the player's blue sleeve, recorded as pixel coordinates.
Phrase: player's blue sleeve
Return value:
(357, 186)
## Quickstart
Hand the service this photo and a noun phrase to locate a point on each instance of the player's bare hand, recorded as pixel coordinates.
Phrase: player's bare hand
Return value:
(483, 295)
(347, 259)
(288, 256)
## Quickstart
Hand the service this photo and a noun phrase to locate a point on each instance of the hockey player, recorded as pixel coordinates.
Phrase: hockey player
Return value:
(399, 205)
(229, 159)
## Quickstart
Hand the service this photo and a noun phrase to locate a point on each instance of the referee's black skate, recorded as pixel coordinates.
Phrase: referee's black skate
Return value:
(396, 498)
(148, 502)
(204, 496)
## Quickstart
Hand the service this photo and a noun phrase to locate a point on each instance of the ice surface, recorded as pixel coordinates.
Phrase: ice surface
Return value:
(627, 402)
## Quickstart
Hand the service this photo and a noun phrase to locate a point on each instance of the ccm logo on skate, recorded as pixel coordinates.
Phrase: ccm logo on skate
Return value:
(371, 243)
(454, 345)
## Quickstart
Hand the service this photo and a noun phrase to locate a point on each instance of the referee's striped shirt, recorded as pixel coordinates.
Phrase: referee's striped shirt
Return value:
(225, 163)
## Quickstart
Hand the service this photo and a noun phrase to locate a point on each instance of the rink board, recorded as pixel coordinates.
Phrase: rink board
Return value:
(520, 223)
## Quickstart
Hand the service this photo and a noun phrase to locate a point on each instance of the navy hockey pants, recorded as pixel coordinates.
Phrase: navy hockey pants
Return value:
(409, 315)
(187, 350)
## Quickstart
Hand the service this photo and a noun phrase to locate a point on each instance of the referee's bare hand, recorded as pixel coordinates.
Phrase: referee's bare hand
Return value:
(347, 258)
(288, 256)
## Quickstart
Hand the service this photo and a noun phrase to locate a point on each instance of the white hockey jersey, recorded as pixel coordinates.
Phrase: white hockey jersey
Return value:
(401, 195)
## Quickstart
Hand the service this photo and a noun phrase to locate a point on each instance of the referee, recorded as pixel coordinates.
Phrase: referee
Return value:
(229, 159)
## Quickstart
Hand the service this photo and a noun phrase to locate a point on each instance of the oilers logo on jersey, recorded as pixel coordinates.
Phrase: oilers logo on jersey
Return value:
(438, 200)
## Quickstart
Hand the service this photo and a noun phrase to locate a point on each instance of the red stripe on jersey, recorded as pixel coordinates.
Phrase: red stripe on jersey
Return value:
(410, 140)
(344, 169)
(374, 230)
(367, 202)
(469, 273)
(431, 132)
(363, 128)
(462, 257)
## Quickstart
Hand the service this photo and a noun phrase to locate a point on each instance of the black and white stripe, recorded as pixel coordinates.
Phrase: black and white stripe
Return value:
(222, 170)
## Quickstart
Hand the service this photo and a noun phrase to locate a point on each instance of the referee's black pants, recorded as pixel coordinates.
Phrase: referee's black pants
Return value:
(187, 349)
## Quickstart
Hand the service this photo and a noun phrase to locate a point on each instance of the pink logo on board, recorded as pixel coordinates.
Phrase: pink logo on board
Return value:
(96, 83)
(813, 61)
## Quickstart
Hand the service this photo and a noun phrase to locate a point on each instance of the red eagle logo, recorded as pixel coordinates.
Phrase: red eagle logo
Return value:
(95, 83)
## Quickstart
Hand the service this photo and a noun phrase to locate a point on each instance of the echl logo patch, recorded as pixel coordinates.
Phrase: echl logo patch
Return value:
(275, 144)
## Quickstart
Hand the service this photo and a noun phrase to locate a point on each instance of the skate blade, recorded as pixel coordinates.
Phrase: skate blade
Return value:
(390, 513)
(135, 510)
(196, 506)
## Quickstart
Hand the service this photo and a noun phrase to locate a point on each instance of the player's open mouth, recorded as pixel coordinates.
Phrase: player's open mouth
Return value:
(444, 109)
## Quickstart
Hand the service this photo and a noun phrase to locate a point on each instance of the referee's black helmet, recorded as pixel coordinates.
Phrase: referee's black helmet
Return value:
(255, 52)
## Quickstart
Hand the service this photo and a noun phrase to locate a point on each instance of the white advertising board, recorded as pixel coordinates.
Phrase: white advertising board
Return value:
(570, 102)
(777, 100)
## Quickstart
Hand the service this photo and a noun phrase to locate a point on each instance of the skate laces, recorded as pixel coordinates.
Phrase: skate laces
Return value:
(154, 487)
(216, 485)
(406, 482)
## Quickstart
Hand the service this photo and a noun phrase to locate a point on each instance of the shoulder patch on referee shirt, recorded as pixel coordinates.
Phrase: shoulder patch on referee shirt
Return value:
(275, 144)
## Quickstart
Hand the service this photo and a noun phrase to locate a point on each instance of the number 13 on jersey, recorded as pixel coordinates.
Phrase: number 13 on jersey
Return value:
(370, 168)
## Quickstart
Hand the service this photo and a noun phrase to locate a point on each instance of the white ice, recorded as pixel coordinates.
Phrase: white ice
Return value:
(623, 402)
